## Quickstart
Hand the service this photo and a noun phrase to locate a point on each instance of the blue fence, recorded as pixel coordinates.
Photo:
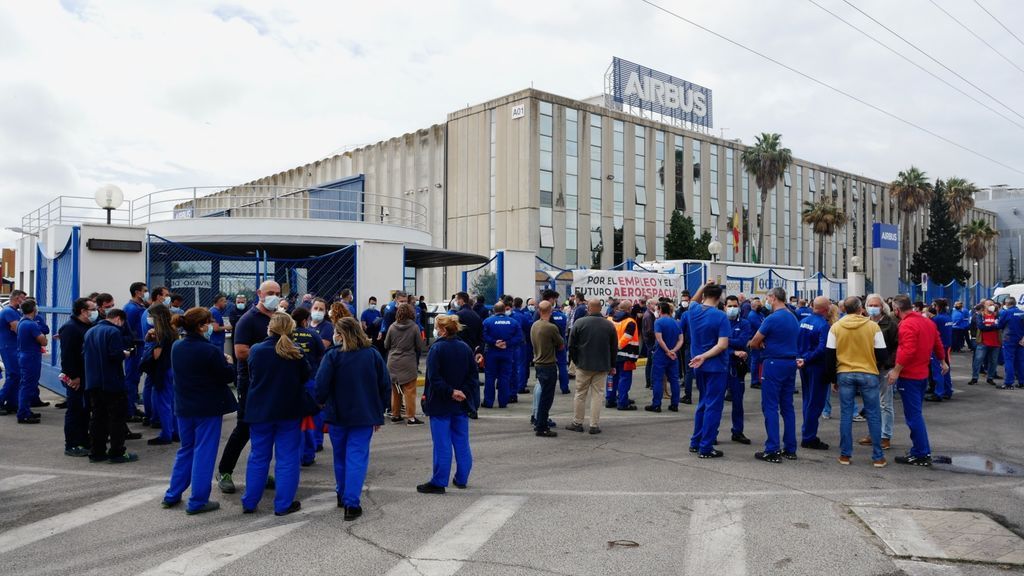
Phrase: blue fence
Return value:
(968, 294)
(57, 287)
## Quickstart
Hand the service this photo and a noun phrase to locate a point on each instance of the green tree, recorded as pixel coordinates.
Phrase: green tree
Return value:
(825, 219)
(942, 251)
(766, 160)
(976, 237)
(682, 242)
(912, 191)
(960, 196)
(485, 284)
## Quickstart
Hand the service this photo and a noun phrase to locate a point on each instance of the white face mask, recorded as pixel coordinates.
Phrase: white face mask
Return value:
(531, 308)
(209, 331)
(240, 305)
(149, 320)
(508, 312)
(338, 341)
(684, 304)
(271, 302)
(436, 334)
(93, 315)
(991, 308)
(373, 306)
(167, 301)
(317, 316)
(732, 312)
(145, 296)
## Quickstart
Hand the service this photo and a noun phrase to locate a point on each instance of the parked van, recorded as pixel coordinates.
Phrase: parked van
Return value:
(1015, 290)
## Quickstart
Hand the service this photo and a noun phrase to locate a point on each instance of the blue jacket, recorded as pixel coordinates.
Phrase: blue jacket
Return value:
(472, 327)
(525, 318)
(353, 387)
(961, 319)
(201, 378)
(133, 310)
(945, 325)
(104, 358)
(1011, 322)
(277, 386)
(741, 334)
(810, 344)
(450, 367)
(803, 312)
(217, 338)
(502, 328)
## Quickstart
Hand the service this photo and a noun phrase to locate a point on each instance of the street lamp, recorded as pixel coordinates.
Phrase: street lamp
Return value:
(109, 198)
(714, 248)
(855, 263)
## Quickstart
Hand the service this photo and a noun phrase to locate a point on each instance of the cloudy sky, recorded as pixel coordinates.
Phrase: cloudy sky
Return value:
(154, 95)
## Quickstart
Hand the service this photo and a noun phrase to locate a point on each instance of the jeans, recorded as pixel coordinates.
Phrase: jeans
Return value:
(984, 357)
(708, 416)
(664, 368)
(649, 351)
(912, 394)
(193, 464)
(282, 440)
(888, 411)
(546, 377)
(778, 382)
(31, 366)
(351, 459)
(562, 360)
(850, 384)
(451, 434)
(12, 383)
(815, 391)
(108, 421)
(76, 419)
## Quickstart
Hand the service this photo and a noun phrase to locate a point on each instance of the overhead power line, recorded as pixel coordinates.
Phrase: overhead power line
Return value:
(933, 59)
(998, 21)
(922, 68)
(973, 33)
(831, 87)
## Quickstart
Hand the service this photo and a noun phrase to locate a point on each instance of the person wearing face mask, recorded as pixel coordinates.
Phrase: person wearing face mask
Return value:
(878, 312)
(709, 330)
(156, 363)
(986, 352)
(133, 312)
(740, 333)
(813, 368)
(525, 318)
(176, 303)
(104, 354)
(404, 343)
(319, 323)
(220, 305)
(241, 306)
(370, 318)
(942, 383)
(777, 338)
(961, 318)
(501, 334)
(72, 364)
(617, 396)
(308, 340)
(686, 373)
(1011, 322)
(202, 373)
(647, 332)
(669, 341)
(156, 296)
(755, 317)
(250, 330)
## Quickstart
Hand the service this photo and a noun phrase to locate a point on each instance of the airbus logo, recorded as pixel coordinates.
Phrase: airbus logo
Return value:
(890, 236)
(667, 94)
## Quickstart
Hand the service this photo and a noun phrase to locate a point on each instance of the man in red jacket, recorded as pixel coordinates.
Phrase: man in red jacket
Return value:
(918, 340)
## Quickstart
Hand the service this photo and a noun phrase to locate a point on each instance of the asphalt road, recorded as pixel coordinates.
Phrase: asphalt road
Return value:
(534, 505)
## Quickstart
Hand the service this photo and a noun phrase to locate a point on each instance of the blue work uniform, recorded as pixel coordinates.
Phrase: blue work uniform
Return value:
(706, 326)
(740, 334)
(133, 312)
(498, 362)
(943, 382)
(665, 367)
(9, 355)
(778, 378)
(30, 362)
(803, 312)
(1011, 322)
(450, 367)
(561, 356)
(755, 319)
(684, 365)
(525, 351)
(814, 388)
(218, 338)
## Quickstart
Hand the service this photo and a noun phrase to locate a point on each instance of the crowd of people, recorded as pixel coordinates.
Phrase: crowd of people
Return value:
(294, 377)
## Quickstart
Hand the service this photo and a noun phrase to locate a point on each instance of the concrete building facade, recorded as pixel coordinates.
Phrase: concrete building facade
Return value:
(1008, 206)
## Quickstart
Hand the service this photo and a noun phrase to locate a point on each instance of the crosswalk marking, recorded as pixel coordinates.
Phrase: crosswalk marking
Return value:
(214, 555)
(22, 480)
(25, 535)
(445, 552)
(715, 543)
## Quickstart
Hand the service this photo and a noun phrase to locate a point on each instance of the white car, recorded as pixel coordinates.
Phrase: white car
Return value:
(1014, 290)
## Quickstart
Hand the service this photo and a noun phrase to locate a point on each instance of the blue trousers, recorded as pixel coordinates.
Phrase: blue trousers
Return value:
(850, 384)
(688, 373)
(12, 384)
(147, 401)
(351, 446)
(131, 379)
(736, 388)
(912, 394)
(451, 435)
(163, 405)
(76, 419)
(31, 366)
(194, 462)
(525, 357)
(708, 415)
(497, 373)
(778, 382)
(622, 382)
(943, 382)
(1013, 360)
(562, 360)
(755, 367)
(282, 440)
(664, 368)
(813, 392)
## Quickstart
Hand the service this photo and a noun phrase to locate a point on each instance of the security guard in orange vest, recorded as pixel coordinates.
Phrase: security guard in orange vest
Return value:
(617, 396)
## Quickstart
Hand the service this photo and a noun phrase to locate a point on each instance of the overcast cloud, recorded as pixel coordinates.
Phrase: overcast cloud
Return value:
(154, 95)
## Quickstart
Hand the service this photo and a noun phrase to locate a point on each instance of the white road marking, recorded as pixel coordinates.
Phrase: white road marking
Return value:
(715, 543)
(30, 533)
(914, 568)
(22, 480)
(445, 552)
(213, 556)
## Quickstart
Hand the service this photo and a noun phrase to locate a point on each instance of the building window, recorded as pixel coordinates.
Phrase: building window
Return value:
(745, 200)
(678, 158)
(409, 280)
(547, 233)
(494, 178)
(659, 197)
(730, 173)
(786, 216)
(799, 212)
(695, 209)
(618, 187)
(596, 177)
(572, 162)
(639, 184)
(715, 208)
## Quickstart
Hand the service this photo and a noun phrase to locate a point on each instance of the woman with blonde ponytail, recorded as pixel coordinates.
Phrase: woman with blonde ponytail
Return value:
(274, 410)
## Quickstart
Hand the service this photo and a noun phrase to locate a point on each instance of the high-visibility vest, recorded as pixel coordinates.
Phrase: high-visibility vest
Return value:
(629, 346)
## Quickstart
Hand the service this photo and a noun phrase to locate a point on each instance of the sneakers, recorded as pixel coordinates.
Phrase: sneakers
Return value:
(225, 483)
(352, 512)
(844, 460)
(428, 488)
(133, 436)
(168, 504)
(158, 441)
(610, 404)
(594, 430)
(712, 454)
(925, 461)
(826, 416)
(123, 458)
(29, 420)
(866, 441)
(686, 400)
(815, 444)
(740, 438)
(76, 451)
(652, 408)
(546, 433)
(208, 507)
(575, 427)
(459, 486)
(932, 398)
(673, 407)
(859, 418)
(414, 422)
(881, 463)
(789, 455)
(293, 507)
(772, 457)
(396, 419)
(627, 407)
(972, 382)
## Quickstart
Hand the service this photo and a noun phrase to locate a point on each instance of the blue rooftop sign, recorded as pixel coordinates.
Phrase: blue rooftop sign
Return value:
(640, 87)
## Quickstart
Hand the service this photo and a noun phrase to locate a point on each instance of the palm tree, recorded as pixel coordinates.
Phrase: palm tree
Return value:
(825, 219)
(911, 190)
(960, 197)
(976, 237)
(766, 160)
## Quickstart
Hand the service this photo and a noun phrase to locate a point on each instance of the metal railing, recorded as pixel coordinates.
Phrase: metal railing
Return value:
(278, 202)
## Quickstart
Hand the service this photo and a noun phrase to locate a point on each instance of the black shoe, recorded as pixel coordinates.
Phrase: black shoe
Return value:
(307, 463)
(352, 512)
(610, 404)
(39, 404)
(145, 422)
(756, 386)
(513, 400)
(925, 461)
(932, 398)
(428, 488)
(61, 405)
(248, 510)
(773, 457)
(158, 441)
(97, 459)
(167, 504)
(990, 382)
(972, 382)
(815, 444)
(320, 448)
(472, 415)
(593, 430)
(673, 407)
(208, 507)
(396, 419)
(155, 425)
(712, 454)
(740, 438)
(524, 391)
(551, 423)
(124, 458)
(686, 400)
(728, 397)
(459, 486)
(293, 507)
(652, 408)
(632, 402)
(789, 455)
(29, 420)
(575, 428)
(546, 433)
(694, 450)
(628, 407)
(488, 406)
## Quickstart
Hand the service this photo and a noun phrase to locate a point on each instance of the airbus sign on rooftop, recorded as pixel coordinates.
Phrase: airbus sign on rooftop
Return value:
(636, 86)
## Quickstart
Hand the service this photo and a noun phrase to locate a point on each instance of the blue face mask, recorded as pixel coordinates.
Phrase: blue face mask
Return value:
(240, 305)
(167, 301)
(209, 331)
(271, 302)
(733, 313)
(874, 311)
(94, 315)
(145, 296)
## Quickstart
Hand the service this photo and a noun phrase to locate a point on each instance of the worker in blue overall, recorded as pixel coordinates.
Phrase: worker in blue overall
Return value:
(669, 341)
(133, 310)
(710, 330)
(501, 335)
(1011, 322)
(942, 383)
(526, 350)
(686, 371)
(755, 317)
(811, 361)
(739, 334)
(777, 339)
(9, 318)
(31, 339)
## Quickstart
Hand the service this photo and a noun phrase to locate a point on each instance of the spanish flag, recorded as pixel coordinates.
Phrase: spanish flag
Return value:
(736, 232)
